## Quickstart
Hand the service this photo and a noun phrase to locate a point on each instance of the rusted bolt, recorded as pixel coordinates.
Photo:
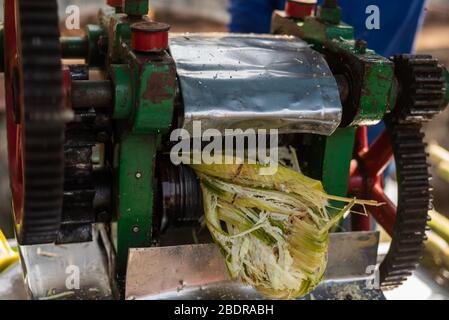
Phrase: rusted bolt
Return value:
(149, 36)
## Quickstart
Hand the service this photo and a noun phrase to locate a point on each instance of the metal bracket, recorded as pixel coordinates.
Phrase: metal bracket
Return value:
(199, 272)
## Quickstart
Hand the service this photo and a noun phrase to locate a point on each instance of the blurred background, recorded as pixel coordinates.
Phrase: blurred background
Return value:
(213, 16)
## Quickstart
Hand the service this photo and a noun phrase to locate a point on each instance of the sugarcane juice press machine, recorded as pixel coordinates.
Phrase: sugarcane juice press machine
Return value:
(95, 193)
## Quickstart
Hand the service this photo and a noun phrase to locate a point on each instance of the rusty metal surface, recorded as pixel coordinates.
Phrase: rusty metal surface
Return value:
(231, 81)
(199, 272)
(92, 94)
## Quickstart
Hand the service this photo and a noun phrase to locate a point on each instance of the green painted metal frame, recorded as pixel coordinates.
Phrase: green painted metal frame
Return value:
(145, 87)
(329, 158)
(136, 7)
(136, 187)
(375, 78)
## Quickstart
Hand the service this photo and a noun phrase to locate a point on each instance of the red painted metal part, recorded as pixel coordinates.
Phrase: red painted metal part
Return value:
(359, 222)
(300, 9)
(14, 131)
(115, 3)
(149, 36)
(366, 180)
(67, 87)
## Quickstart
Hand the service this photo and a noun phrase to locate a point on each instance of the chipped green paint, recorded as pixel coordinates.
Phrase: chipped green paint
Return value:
(316, 32)
(155, 98)
(377, 83)
(119, 32)
(123, 95)
(375, 78)
(136, 7)
(145, 87)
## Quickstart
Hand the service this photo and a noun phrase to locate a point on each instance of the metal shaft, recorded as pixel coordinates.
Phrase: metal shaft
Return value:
(92, 94)
(74, 47)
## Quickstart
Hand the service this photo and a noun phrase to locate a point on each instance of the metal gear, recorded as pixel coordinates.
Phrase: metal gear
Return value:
(79, 191)
(421, 97)
(422, 88)
(414, 201)
(36, 118)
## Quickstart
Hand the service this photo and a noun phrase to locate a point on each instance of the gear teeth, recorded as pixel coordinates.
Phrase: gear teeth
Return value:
(422, 88)
(421, 97)
(79, 190)
(42, 122)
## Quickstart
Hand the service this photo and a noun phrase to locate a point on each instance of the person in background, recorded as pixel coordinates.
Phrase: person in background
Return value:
(400, 20)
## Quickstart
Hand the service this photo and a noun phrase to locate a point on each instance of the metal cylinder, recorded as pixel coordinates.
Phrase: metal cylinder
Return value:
(74, 47)
(300, 9)
(180, 195)
(92, 94)
(149, 36)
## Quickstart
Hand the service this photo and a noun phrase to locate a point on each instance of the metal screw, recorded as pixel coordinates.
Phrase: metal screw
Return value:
(138, 175)
(136, 229)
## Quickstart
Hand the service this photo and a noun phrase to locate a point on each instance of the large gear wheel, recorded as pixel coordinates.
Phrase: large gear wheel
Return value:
(35, 111)
(414, 201)
(420, 97)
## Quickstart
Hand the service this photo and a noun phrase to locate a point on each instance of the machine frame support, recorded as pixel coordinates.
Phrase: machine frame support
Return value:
(135, 194)
(145, 112)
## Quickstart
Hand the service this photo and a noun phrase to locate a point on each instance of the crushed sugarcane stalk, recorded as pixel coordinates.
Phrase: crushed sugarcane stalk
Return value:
(436, 251)
(273, 230)
(439, 157)
(439, 224)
